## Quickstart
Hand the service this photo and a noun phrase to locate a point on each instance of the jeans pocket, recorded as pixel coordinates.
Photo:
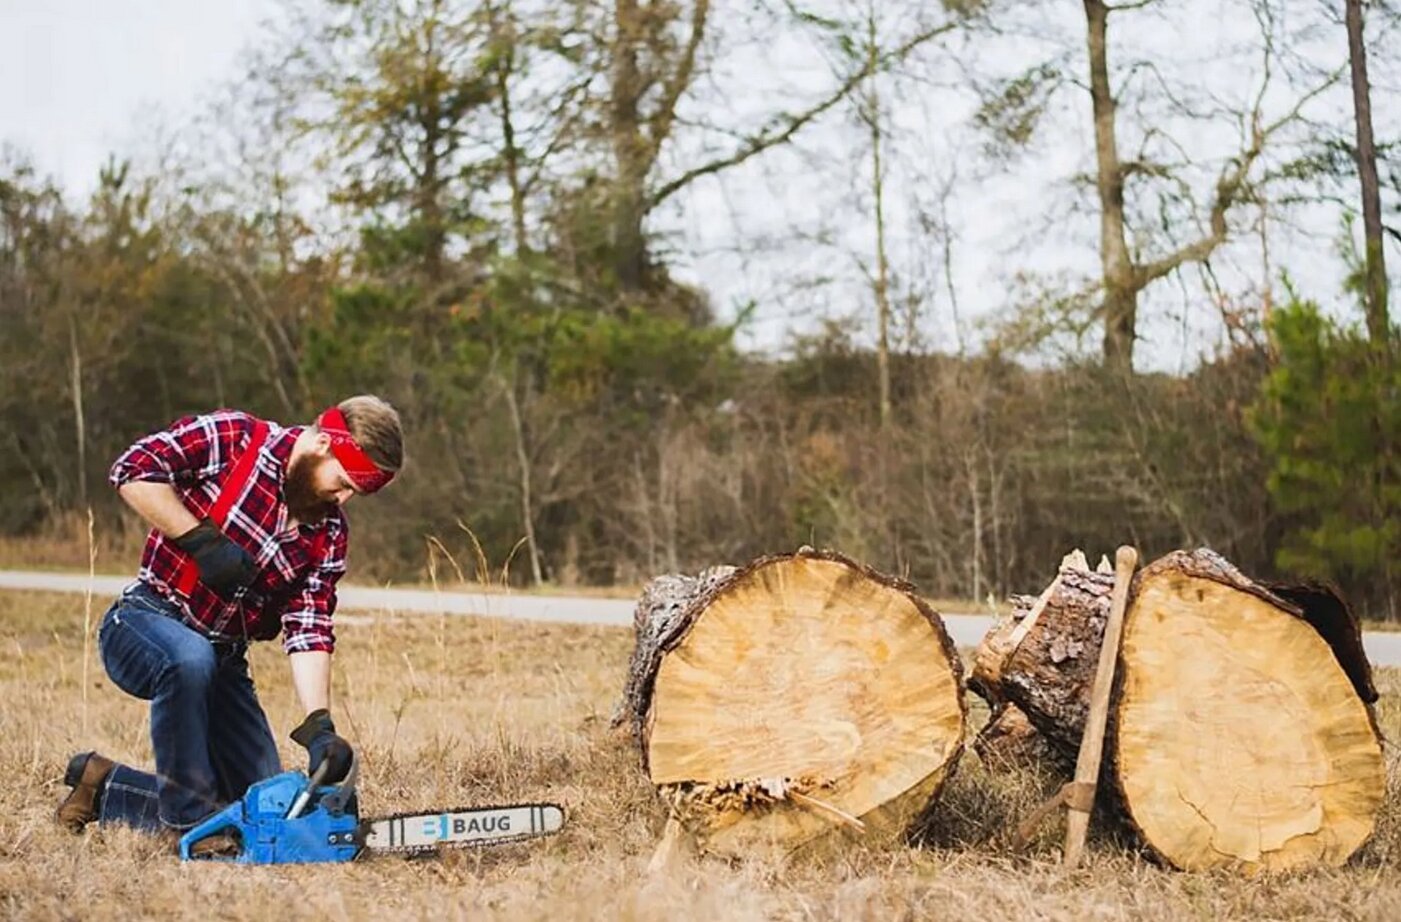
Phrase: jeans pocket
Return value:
(145, 599)
(132, 662)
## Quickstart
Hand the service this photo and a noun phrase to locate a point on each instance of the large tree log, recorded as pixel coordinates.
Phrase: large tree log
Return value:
(1241, 731)
(799, 697)
(1241, 736)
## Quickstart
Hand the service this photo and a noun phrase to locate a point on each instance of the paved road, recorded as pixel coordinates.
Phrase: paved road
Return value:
(1383, 649)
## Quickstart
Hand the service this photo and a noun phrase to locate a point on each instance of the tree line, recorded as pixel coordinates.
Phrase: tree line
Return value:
(468, 208)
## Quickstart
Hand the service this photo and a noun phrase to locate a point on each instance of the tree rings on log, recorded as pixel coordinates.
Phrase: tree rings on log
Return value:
(1241, 736)
(799, 698)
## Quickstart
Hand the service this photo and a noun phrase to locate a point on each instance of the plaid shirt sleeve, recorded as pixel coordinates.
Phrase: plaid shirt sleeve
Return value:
(191, 449)
(306, 621)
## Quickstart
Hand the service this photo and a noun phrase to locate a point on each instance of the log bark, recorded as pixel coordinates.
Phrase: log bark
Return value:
(1241, 732)
(1010, 742)
(1051, 672)
(799, 700)
(661, 617)
(1036, 668)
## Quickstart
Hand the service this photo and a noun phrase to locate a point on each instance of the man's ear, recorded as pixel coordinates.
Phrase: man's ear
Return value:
(322, 445)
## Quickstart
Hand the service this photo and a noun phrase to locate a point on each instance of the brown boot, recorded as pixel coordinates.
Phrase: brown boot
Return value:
(218, 845)
(86, 774)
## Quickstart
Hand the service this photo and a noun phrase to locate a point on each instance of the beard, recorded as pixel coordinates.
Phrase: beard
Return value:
(299, 490)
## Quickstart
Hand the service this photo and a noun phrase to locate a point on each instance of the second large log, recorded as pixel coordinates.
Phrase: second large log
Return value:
(1241, 737)
(1240, 727)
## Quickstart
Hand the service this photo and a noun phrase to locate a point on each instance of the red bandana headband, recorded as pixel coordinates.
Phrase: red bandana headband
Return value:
(364, 473)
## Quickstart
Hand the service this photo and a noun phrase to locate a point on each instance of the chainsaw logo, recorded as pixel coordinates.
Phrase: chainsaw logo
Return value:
(446, 827)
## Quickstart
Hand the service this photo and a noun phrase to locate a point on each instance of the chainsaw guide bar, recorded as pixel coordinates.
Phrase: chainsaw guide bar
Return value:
(415, 833)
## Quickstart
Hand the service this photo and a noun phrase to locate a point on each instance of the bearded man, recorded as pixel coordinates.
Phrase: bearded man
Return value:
(248, 540)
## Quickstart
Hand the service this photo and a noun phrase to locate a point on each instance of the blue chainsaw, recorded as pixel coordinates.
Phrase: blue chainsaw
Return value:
(292, 819)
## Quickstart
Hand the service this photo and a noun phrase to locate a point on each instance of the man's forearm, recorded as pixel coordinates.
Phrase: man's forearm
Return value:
(311, 677)
(159, 504)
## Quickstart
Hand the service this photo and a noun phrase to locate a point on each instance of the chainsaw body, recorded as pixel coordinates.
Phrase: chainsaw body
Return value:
(292, 819)
(324, 829)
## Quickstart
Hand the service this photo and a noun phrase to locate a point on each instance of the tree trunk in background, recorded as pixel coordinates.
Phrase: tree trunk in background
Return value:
(1120, 304)
(975, 494)
(504, 37)
(431, 180)
(882, 282)
(1241, 732)
(1375, 289)
(1122, 278)
(75, 384)
(801, 696)
(629, 147)
(523, 465)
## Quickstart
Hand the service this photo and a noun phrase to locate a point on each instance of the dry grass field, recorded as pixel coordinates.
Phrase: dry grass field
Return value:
(456, 711)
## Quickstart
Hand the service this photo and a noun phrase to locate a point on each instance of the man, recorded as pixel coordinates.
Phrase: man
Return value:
(248, 540)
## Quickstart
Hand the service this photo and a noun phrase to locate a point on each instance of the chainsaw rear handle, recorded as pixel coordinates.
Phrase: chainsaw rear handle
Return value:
(226, 820)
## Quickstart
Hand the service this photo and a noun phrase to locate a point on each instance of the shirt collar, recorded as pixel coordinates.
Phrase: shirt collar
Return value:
(279, 447)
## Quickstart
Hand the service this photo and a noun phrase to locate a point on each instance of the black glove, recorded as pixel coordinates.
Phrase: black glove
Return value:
(223, 565)
(318, 735)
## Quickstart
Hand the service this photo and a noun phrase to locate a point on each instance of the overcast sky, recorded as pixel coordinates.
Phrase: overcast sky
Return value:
(85, 78)
(81, 75)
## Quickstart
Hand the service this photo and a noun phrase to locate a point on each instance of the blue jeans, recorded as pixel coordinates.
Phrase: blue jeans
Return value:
(210, 735)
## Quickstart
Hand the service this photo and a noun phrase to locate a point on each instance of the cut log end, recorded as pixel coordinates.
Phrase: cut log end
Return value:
(807, 697)
(1240, 739)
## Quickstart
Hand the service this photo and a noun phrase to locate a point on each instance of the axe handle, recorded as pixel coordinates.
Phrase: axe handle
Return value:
(1092, 743)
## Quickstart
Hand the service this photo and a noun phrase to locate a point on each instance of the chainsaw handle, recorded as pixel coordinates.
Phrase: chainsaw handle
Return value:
(300, 803)
(220, 822)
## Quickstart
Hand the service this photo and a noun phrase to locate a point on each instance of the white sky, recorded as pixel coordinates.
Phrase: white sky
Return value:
(85, 78)
(81, 75)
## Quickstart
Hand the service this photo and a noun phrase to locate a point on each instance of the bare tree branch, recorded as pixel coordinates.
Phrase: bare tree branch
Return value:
(679, 80)
(1228, 187)
(783, 132)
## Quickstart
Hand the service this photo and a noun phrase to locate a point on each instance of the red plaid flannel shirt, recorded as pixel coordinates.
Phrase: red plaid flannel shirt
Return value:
(292, 593)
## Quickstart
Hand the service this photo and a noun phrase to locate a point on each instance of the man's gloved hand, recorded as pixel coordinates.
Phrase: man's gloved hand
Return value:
(223, 565)
(318, 735)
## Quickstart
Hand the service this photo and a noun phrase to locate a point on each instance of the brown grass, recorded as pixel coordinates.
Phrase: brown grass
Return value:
(64, 544)
(64, 547)
(452, 711)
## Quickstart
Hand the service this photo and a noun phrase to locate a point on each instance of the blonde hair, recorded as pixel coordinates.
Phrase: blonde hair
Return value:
(375, 425)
